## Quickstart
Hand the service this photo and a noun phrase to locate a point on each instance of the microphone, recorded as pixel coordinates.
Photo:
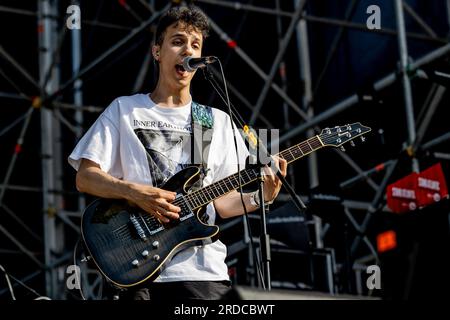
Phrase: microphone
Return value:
(191, 64)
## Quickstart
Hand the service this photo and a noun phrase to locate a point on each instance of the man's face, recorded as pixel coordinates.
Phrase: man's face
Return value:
(179, 42)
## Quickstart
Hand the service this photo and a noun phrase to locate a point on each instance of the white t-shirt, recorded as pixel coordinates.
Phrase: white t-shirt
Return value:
(138, 141)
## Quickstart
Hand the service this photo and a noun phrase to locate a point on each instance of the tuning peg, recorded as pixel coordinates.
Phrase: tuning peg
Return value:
(363, 139)
(352, 143)
(342, 148)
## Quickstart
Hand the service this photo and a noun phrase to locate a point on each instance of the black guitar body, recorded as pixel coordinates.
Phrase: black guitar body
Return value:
(129, 246)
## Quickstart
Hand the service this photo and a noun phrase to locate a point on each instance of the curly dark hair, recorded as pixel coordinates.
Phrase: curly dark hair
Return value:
(190, 15)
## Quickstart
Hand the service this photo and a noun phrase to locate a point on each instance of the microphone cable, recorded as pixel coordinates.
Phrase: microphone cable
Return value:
(232, 115)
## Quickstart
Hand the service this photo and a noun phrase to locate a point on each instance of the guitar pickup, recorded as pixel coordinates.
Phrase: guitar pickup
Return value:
(152, 232)
(186, 216)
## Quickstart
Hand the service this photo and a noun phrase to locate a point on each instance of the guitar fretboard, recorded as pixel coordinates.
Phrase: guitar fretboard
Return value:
(219, 188)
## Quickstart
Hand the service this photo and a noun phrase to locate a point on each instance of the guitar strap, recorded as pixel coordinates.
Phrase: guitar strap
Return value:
(202, 124)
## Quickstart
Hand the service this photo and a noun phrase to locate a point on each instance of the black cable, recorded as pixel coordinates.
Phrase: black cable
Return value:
(75, 264)
(210, 77)
(232, 116)
(11, 291)
(7, 276)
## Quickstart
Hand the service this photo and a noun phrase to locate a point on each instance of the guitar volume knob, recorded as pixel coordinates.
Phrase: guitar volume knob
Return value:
(135, 263)
(155, 244)
(145, 253)
(156, 257)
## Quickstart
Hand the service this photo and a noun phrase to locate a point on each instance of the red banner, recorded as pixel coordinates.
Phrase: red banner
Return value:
(417, 190)
(401, 195)
(431, 186)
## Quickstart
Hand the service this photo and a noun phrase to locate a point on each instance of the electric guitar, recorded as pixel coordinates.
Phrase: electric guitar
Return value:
(130, 246)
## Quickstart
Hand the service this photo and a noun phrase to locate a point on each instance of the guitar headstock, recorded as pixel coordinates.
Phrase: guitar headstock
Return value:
(337, 136)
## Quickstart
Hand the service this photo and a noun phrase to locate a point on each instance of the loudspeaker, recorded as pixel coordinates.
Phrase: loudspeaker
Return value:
(295, 269)
(289, 226)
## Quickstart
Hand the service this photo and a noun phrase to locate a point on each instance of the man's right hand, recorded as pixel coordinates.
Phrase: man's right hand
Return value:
(91, 179)
(155, 201)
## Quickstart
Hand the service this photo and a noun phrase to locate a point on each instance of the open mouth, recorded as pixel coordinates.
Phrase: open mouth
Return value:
(179, 68)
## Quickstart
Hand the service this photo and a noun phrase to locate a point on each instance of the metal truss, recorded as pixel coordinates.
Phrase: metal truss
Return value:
(57, 249)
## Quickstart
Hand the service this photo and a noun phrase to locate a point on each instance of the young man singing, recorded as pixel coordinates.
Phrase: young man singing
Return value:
(139, 141)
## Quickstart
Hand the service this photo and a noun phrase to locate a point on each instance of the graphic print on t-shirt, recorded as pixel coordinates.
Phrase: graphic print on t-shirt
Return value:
(166, 152)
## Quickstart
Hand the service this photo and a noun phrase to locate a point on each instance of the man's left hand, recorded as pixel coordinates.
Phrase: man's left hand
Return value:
(272, 184)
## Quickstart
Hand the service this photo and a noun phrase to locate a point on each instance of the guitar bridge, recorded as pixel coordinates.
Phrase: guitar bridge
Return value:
(140, 231)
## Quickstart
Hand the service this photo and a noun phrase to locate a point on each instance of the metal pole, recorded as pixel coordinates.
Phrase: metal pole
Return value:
(257, 69)
(305, 73)
(142, 27)
(448, 11)
(264, 238)
(442, 156)
(241, 97)
(430, 110)
(46, 43)
(248, 7)
(353, 99)
(363, 27)
(283, 76)
(18, 67)
(21, 223)
(77, 92)
(419, 20)
(21, 246)
(275, 64)
(435, 141)
(334, 46)
(374, 206)
(404, 69)
(12, 163)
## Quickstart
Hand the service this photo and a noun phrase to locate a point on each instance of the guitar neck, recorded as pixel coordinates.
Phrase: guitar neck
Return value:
(217, 189)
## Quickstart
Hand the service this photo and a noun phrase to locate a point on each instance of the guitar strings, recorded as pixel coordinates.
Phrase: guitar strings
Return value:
(224, 184)
(304, 147)
(312, 144)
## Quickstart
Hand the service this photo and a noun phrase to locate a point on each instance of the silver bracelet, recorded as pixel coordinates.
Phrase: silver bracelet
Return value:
(255, 201)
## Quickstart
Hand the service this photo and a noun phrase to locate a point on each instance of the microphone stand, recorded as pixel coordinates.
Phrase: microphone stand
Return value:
(264, 237)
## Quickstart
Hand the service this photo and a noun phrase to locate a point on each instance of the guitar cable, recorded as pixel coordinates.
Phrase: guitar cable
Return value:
(11, 291)
(210, 78)
(10, 287)
(75, 264)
